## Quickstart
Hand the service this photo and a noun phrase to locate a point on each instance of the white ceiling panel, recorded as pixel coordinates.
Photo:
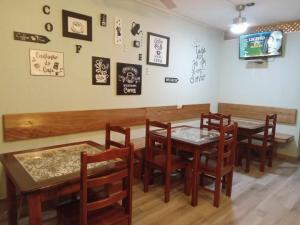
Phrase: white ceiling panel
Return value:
(219, 13)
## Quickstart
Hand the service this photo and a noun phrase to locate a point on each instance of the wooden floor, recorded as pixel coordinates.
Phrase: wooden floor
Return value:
(258, 199)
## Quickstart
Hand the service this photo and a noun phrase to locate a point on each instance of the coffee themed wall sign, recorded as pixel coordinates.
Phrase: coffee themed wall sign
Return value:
(103, 20)
(77, 25)
(137, 35)
(158, 50)
(118, 31)
(101, 71)
(46, 63)
(36, 38)
(129, 79)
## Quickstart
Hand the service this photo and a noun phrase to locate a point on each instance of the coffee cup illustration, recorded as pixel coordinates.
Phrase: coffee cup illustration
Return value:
(101, 78)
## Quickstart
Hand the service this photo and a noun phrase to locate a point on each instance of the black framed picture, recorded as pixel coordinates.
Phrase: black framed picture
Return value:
(101, 71)
(77, 25)
(129, 79)
(158, 49)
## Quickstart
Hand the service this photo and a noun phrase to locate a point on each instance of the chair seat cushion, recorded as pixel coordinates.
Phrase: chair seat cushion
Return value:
(70, 214)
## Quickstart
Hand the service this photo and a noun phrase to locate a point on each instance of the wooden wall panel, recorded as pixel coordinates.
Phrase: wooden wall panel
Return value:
(284, 115)
(48, 124)
(172, 113)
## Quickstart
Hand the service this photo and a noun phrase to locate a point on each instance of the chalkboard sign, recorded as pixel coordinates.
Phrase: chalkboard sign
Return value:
(129, 79)
(46, 63)
(101, 71)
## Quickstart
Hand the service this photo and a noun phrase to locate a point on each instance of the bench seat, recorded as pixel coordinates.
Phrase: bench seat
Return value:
(279, 137)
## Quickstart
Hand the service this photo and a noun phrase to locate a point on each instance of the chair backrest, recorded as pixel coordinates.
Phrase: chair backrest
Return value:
(158, 143)
(122, 173)
(213, 121)
(270, 129)
(116, 129)
(227, 146)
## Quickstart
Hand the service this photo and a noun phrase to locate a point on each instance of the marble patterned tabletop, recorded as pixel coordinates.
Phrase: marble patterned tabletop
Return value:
(192, 134)
(42, 165)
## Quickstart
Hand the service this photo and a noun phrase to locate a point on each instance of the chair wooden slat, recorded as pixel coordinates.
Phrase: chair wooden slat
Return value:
(116, 197)
(98, 181)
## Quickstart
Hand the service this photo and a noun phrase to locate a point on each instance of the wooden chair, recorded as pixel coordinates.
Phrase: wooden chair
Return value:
(107, 210)
(213, 121)
(264, 145)
(120, 130)
(220, 168)
(159, 156)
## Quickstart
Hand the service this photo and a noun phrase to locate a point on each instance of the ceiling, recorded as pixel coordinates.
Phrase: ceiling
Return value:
(219, 13)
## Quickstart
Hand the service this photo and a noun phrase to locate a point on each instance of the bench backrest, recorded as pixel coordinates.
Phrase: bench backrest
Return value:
(284, 115)
(48, 124)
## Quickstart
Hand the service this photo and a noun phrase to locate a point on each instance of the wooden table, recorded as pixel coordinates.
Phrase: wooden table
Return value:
(246, 129)
(46, 173)
(192, 140)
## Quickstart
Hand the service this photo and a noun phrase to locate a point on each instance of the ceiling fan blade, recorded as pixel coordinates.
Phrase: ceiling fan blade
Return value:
(169, 4)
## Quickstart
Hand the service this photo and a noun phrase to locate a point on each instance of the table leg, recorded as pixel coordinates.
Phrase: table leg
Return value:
(11, 202)
(248, 155)
(195, 179)
(35, 209)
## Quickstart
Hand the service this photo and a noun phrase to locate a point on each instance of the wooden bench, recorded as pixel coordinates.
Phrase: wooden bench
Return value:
(284, 116)
(38, 125)
(279, 137)
(25, 126)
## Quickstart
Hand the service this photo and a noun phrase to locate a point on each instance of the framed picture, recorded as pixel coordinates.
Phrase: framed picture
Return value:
(158, 50)
(46, 63)
(101, 71)
(77, 26)
(129, 79)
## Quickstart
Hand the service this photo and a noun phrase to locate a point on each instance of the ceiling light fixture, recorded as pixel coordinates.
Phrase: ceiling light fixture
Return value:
(240, 24)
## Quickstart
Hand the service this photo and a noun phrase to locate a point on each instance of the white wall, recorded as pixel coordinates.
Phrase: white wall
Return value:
(20, 92)
(275, 83)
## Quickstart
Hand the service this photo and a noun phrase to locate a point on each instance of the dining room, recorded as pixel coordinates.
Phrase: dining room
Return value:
(159, 112)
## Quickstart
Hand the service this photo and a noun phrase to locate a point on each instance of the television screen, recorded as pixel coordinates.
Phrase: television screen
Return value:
(264, 44)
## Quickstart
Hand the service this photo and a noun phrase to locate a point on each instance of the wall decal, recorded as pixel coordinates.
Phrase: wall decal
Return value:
(49, 27)
(46, 9)
(171, 80)
(129, 79)
(118, 31)
(158, 50)
(103, 20)
(20, 36)
(136, 44)
(78, 48)
(46, 63)
(198, 64)
(77, 26)
(135, 28)
(101, 71)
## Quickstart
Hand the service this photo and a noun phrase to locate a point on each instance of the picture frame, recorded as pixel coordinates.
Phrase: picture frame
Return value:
(158, 49)
(129, 79)
(46, 63)
(77, 25)
(100, 71)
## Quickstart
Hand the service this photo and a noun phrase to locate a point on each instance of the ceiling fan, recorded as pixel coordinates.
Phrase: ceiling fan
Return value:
(169, 3)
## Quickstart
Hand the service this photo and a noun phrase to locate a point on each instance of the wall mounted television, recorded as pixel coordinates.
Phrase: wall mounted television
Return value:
(261, 45)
